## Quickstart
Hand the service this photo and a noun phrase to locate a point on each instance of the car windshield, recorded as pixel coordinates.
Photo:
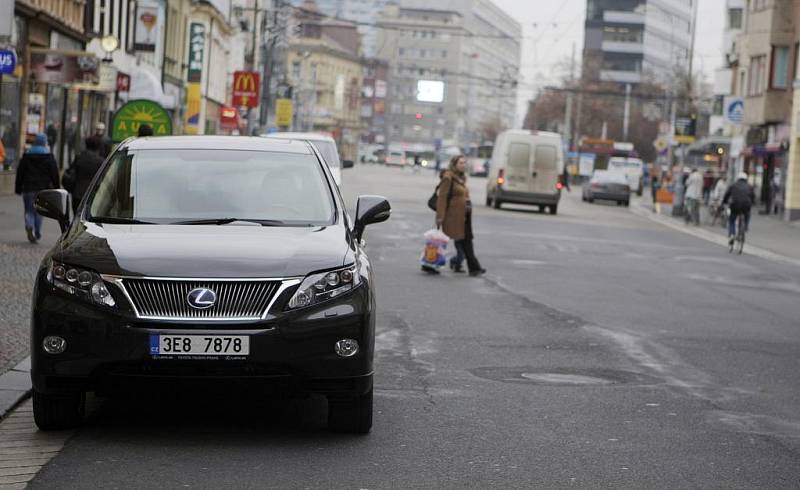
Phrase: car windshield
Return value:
(328, 151)
(172, 186)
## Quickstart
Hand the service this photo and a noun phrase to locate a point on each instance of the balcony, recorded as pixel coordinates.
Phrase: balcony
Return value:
(66, 12)
(773, 106)
(621, 47)
(622, 17)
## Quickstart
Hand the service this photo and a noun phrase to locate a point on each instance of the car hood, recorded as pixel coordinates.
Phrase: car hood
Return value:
(225, 251)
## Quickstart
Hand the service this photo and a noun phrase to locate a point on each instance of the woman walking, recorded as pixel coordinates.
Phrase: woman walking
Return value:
(37, 171)
(454, 215)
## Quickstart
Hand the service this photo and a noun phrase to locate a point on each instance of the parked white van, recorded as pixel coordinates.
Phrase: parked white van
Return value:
(633, 168)
(324, 144)
(526, 169)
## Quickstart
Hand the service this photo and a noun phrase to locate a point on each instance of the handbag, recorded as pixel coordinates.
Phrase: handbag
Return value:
(432, 201)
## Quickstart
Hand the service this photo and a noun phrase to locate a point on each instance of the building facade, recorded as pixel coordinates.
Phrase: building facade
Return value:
(632, 41)
(453, 73)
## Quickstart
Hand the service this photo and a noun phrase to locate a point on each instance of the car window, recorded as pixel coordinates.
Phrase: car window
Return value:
(329, 153)
(166, 186)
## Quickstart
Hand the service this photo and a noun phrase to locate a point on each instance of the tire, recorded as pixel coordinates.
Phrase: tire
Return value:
(352, 415)
(496, 203)
(590, 199)
(553, 209)
(627, 203)
(58, 412)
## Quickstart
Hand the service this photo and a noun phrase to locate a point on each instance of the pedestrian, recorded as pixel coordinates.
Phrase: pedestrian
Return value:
(708, 183)
(417, 163)
(564, 178)
(145, 130)
(454, 215)
(654, 189)
(37, 171)
(694, 192)
(83, 169)
(52, 135)
(104, 145)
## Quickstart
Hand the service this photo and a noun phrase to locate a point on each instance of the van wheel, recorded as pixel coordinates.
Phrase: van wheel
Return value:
(352, 415)
(496, 203)
(554, 209)
(627, 203)
(541, 208)
(58, 412)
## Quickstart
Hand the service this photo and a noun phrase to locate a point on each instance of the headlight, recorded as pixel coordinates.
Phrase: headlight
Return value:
(79, 282)
(321, 287)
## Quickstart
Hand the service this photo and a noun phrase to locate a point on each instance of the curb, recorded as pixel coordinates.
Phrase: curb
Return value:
(710, 237)
(15, 386)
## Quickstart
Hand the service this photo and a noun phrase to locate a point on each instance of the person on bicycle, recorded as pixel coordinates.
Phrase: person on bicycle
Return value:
(741, 197)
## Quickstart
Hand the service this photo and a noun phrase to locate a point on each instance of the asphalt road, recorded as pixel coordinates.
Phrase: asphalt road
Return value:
(600, 350)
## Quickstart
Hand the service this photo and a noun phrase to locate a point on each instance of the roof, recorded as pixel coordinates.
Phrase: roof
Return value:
(301, 136)
(204, 142)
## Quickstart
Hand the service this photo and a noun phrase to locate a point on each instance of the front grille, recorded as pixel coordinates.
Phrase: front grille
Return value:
(167, 299)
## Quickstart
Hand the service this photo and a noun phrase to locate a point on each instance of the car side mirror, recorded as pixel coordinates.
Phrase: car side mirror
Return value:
(54, 203)
(348, 164)
(369, 210)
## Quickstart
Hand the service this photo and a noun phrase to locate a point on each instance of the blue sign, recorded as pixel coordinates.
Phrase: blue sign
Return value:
(8, 61)
(734, 110)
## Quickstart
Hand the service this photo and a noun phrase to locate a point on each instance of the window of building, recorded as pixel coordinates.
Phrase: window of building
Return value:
(780, 67)
(735, 18)
(759, 4)
(756, 75)
(622, 34)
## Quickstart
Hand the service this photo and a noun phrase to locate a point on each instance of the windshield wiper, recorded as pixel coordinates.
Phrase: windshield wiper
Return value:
(225, 221)
(120, 221)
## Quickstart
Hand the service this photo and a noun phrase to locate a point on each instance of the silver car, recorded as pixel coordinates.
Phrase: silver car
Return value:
(610, 186)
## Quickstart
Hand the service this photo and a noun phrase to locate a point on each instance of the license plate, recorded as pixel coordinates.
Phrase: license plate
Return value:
(199, 345)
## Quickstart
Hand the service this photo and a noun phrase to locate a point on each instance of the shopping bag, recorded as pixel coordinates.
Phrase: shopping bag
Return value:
(433, 255)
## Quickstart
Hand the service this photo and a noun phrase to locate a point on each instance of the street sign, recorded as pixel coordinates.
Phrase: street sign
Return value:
(283, 112)
(733, 110)
(685, 129)
(245, 88)
(229, 118)
(131, 116)
(8, 61)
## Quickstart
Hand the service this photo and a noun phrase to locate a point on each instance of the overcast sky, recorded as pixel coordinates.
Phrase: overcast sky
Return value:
(552, 28)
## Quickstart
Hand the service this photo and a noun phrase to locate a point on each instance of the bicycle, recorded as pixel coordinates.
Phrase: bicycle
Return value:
(738, 241)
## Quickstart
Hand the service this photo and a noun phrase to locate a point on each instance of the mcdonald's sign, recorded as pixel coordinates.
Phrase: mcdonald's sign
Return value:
(245, 89)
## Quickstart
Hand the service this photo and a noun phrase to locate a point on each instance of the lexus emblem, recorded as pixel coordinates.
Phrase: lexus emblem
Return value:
(201, 298)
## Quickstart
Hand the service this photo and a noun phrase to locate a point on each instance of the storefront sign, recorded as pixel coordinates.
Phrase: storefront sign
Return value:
(229, 118)
(8, 61)
(148, 28)
(123, 82)
(197, 42)
(135, 113)
(685, 129)
(106, 83)
(192, 115)
(283, 112)
(245, 89)
(61, 66)
(733, 110)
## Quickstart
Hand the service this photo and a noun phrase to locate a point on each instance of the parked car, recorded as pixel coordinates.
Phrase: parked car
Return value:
(207, 258)
(395, 157)
(607, 185)
(526, 168)
(633, 168)
(326, 146)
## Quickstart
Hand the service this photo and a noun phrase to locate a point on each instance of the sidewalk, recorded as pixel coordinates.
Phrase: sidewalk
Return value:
(769, 233)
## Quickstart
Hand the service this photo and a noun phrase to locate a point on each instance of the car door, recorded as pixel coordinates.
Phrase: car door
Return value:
(545, 169)
(520, 162)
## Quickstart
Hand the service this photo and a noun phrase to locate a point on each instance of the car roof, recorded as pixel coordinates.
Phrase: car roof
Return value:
(301, 136)
(207, 142)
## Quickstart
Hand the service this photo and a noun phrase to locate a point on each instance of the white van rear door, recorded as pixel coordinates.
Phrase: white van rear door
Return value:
(518, 176)
(545, 168)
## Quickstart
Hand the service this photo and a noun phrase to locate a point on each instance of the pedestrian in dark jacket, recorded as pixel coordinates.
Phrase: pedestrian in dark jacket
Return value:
(454, 214)
(741, 196)
(83, 169)
(37, 171)
(104, 147)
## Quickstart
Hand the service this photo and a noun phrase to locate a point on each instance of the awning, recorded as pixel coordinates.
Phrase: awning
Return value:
(145, 85)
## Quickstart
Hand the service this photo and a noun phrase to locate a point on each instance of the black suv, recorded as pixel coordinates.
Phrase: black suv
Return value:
(211, 258)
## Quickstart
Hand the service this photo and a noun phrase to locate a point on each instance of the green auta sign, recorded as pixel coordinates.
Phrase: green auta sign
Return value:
(136, 113)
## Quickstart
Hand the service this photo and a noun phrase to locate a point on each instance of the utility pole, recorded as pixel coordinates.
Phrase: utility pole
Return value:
(627, 116)
(568, 108)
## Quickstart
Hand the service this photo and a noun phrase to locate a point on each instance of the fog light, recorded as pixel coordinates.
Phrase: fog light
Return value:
(54, 344)
(346, 348)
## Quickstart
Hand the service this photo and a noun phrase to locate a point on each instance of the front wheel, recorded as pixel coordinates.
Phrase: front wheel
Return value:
(353, 415)
(488, 201)
(58, 412)
(496, 203)
(554, 209)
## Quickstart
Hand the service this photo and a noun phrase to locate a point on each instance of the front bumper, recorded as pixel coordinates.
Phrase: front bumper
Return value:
(109, 348)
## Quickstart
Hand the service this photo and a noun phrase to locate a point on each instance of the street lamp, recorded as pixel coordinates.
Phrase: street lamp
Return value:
(109, 44)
